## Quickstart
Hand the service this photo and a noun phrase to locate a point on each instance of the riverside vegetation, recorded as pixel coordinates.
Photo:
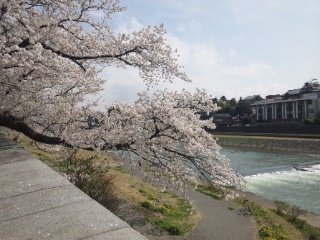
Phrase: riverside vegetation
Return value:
(121, 192)
(281, 223)
(141, 204)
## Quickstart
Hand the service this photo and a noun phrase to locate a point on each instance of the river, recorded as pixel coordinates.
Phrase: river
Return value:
(274, 175)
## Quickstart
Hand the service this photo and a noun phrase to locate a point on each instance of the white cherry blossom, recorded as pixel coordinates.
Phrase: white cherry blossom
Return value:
(51, 53)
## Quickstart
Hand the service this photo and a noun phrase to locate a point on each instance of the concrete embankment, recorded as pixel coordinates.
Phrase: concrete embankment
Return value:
(38, 203)
(292, 144)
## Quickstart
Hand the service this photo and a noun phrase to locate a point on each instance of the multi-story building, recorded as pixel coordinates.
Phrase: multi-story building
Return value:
(293, 106)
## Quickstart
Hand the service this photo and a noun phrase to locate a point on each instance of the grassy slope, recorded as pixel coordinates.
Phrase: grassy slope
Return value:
(168, 211)
(135, 191)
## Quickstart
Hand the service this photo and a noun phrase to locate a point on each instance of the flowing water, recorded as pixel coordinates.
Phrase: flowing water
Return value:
(288, 177)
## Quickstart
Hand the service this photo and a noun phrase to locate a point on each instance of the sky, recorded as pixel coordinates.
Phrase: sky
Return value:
(231, 48)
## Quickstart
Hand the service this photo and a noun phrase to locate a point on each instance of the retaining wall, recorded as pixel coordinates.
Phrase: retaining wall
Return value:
(269, 129)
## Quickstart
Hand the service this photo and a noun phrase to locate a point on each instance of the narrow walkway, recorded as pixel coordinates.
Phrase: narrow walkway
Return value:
(221, 220)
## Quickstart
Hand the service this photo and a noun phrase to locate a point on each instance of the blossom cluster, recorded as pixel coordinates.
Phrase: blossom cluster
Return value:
(51, 53)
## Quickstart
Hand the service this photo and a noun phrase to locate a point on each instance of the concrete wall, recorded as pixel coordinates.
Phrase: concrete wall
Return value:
(268, 129)
(38, 203)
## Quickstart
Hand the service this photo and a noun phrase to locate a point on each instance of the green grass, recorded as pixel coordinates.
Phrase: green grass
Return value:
(308, 231)
(215, 193)
(173, 215)
(255, 142)
(149, 196)
(171, 218)
(270, 228)
(119, 169)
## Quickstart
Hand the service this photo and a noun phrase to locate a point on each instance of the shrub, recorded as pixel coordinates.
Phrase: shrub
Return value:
(312, 237)
(147, 204)
(100, 187)
(276, 232)
(265, 232)
(91, 179)
(211, 191)
(295, 211)
(163, 210)
(149, 196)
(291, 210)
(175, 230)
(308, 121)
(281, 206)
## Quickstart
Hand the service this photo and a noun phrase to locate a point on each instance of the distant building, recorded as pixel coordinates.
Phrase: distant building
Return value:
(220, 119)
(293, 106)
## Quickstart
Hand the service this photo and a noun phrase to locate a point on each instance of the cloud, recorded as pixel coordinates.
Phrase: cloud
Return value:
(195, 56)
(191, 25)
(122, 84)
(250, 71)
(129, 26)
(208, 67)
(232, 52)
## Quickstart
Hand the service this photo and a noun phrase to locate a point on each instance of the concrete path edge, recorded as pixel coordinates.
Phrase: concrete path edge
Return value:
(38, 203)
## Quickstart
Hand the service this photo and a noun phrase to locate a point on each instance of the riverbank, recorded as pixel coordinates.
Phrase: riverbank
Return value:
(298, 145)
(311, 218)
(217, 217)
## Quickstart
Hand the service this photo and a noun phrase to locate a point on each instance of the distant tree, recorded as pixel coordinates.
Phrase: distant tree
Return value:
(308, 87)
(243, 107)
(286, 96)
(233, 102)
(258, 98)
(223, 98)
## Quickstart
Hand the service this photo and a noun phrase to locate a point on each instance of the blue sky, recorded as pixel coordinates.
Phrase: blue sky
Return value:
(234, 48)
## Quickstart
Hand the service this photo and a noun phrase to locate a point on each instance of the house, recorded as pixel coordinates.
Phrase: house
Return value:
(293, 106)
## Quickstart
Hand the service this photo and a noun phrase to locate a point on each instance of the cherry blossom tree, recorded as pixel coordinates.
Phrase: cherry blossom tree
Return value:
(51, 56)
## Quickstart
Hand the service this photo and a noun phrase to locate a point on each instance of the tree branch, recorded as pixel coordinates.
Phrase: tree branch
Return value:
(18, 125)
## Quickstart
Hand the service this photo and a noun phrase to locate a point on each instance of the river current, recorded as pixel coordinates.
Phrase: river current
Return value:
(289, 177)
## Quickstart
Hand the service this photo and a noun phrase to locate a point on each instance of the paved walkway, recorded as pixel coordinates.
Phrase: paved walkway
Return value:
(38, 203)
(218, 221)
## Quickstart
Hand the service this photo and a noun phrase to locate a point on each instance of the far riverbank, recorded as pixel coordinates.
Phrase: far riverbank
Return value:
(298, 145)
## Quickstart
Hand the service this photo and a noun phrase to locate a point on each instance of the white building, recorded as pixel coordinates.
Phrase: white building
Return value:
(293, 106)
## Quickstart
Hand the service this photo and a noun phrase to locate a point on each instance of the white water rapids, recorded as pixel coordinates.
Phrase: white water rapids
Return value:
(292, 178)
